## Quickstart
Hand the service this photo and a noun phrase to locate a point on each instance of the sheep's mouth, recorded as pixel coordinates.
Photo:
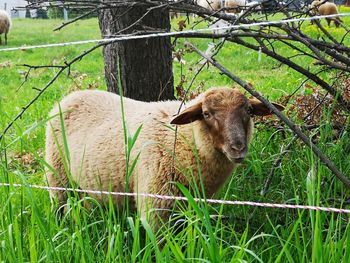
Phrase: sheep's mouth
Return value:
(238, 160)
(235, 158)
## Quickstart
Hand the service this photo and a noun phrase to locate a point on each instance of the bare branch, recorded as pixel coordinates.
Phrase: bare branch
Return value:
(76, 19)
(41, 91)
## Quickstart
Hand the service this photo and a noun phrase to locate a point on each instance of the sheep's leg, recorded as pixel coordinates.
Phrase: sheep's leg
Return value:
(155, 211)
(5, 38)
(337, 21)
(328, 21)
(55, 176)
(161, 213)
(334, 22)
(57, 179)
(0, 40)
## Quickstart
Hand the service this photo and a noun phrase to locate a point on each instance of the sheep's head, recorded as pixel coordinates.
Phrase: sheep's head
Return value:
(314, 7)
(227, 114)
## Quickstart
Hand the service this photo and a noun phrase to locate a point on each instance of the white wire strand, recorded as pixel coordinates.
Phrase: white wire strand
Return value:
(170, 34)
(182, 198)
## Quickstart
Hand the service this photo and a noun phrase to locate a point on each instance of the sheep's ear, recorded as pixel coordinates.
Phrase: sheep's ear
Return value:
(260, 109)
(191, 114)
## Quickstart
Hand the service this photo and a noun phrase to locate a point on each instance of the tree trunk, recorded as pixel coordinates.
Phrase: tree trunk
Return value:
(144, 66)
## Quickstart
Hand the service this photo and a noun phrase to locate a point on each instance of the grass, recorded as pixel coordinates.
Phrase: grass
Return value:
(30, 230)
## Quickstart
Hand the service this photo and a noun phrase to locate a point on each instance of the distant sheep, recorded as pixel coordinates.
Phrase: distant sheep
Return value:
(210, 4)
(5, 25)
(213, 133)
(173, 13)
(255, 6)
(235, 6)
(326, 9)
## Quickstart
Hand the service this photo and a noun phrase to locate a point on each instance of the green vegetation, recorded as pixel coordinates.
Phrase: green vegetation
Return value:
(30, 230)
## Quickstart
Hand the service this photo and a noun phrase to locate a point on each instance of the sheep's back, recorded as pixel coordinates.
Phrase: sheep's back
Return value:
(95, 135)
(210, 4)
(5, 22)
(328, 9)
(234, 3)
(93, 128)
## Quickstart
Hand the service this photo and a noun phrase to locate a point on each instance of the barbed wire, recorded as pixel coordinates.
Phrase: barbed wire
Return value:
(171, 34)
(181, 198)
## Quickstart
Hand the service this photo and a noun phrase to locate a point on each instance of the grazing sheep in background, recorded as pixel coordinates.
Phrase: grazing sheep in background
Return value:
(174, 14)
(235, 6)
(5, 24)
(210, 4)
(256, 5)
(216, 127)
(326, 9)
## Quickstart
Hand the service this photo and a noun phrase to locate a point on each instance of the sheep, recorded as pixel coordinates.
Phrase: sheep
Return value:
(213, 133)
(326, 9)
(173, 13)
(210, 4)
(235, 6)
(5, 25)
(255, 6)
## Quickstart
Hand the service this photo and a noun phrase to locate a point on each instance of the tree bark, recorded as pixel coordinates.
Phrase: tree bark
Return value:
(143, 67)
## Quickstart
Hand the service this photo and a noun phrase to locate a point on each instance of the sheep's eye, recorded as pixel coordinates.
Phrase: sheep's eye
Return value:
(250, 110)
(206, 114)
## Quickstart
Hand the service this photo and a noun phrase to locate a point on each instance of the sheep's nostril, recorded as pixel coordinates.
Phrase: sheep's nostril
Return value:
(238, 147)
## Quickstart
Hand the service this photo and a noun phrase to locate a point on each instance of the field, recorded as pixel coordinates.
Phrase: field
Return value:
(31, 231)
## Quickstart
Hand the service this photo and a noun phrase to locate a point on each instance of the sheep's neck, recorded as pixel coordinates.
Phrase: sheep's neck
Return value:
(208, 164)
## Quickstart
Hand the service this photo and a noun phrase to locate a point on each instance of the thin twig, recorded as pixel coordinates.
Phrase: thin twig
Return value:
(76, 19)
(61, 70)
(275, 165)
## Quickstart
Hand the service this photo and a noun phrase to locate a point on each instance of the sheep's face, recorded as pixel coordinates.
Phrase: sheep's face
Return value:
(314, 7)
(227, 114)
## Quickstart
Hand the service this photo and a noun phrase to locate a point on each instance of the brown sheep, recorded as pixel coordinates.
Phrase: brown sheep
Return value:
(326, 9)
(213, 133)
